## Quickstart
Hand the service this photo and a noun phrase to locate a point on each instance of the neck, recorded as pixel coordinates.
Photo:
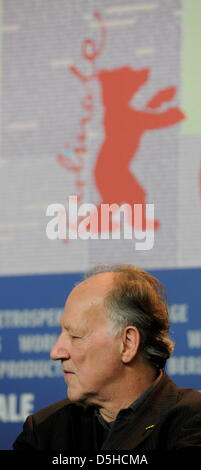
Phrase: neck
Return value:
(126, 392)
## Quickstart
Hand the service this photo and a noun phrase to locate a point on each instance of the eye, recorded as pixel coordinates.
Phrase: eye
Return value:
(75, 337)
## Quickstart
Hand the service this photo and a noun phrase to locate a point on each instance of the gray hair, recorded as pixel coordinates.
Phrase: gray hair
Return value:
(139, 299)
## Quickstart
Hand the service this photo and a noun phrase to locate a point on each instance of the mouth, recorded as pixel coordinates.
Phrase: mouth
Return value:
(67, 373)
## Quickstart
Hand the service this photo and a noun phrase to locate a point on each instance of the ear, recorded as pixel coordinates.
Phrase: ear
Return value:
(130, 343)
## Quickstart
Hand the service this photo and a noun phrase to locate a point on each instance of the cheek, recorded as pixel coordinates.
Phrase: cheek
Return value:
(86, 359)
(94, 355)
(103, 354)
(78, 355)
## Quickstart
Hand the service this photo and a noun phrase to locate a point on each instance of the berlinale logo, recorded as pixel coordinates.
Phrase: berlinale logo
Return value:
(124, 126)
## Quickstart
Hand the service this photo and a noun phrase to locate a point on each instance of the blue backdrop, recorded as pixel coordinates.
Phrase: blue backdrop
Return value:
(29, 316)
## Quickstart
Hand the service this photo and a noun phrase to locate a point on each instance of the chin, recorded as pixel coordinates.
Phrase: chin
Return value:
(77, 397)
(73, 396)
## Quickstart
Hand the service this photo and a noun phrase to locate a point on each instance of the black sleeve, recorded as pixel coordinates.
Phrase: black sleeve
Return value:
(26, 439)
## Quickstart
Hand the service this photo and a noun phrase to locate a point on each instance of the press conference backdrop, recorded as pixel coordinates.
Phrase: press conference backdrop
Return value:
(99, 99)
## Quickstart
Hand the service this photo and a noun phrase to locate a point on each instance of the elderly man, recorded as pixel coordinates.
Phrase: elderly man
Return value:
(113, 348)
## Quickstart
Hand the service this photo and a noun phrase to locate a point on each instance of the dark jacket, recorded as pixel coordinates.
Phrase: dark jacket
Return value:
(170, 418)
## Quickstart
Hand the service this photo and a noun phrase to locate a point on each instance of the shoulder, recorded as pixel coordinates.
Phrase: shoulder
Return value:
(188, 399)
(181, 424)
(48, 411)
(188, 406)
(62, 408)
(181, 400)
(189, 396)
(53, 427)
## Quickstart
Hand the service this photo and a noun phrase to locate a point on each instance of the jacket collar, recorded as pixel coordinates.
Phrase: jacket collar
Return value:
(128, 433)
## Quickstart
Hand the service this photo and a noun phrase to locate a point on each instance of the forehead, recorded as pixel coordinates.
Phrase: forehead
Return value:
(85, 304)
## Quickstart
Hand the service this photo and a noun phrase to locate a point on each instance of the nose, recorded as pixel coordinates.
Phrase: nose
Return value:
(59, 350)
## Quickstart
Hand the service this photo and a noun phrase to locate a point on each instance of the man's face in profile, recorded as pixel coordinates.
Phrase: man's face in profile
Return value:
(90, 355)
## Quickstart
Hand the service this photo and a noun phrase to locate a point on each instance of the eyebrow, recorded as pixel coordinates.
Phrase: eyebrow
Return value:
(71, 329)
(66, 327)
